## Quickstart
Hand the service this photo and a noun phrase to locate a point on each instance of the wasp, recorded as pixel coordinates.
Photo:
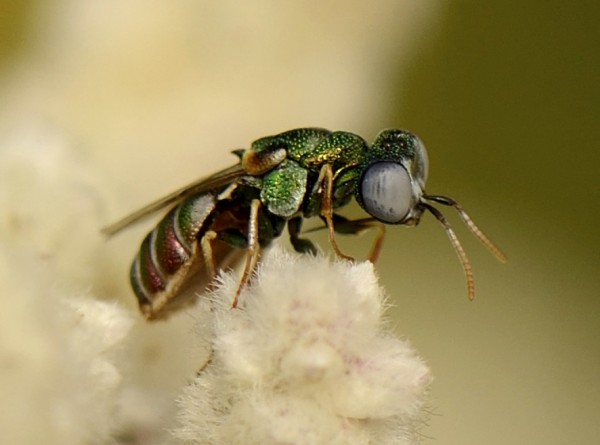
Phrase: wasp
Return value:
(230, 216)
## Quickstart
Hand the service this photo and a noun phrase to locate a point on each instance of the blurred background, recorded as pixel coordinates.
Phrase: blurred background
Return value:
(505, 95)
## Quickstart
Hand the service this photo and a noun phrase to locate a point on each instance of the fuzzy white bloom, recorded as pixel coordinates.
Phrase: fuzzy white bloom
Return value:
(59, 382)
(60, 378)
(305, 359)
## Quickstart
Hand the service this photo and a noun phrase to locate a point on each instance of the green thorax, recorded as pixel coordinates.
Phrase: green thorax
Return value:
(311, 148)
(288, 188)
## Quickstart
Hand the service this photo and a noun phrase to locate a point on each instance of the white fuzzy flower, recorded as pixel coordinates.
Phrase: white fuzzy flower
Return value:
(60, 382)
(305, 359)
(60, 373)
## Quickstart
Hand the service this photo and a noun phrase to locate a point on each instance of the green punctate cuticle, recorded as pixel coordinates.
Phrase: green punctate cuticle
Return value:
(284, 188)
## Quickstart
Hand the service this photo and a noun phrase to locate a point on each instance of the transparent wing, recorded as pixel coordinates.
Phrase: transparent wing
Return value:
(217, 180)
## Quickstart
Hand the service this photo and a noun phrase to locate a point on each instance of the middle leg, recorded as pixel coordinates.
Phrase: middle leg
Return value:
(253, 249)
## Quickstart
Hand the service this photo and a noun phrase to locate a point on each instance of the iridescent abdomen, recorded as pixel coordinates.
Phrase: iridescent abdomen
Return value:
(167, 254)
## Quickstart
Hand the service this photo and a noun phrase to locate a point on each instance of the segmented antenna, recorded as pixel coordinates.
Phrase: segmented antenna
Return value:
(458, 248)
(470, 224)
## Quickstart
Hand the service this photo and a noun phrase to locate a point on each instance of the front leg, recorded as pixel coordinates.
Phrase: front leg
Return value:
(324, 186)
(355, 227)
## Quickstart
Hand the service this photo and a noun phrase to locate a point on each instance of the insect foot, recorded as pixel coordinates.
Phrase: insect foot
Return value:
(304, 360)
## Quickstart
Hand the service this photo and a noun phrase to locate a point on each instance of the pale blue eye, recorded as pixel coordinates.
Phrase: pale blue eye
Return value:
(386, 192)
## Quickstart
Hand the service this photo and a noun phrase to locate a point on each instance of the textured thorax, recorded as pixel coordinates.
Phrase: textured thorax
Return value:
(287, 188)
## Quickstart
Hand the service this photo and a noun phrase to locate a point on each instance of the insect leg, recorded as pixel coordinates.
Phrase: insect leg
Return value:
(207, 252)
(300, 245)
(377, 244)
(226, 194)
(325, 186)
(357, 226)
(253, 249)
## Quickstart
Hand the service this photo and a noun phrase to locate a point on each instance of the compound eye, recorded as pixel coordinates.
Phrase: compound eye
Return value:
(386, 192)
(423, 160)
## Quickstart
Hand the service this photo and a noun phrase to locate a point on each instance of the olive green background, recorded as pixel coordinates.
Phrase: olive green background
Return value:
(506, 96)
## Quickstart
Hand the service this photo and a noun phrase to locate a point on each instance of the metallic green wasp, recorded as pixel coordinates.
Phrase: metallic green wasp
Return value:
(217, 221)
